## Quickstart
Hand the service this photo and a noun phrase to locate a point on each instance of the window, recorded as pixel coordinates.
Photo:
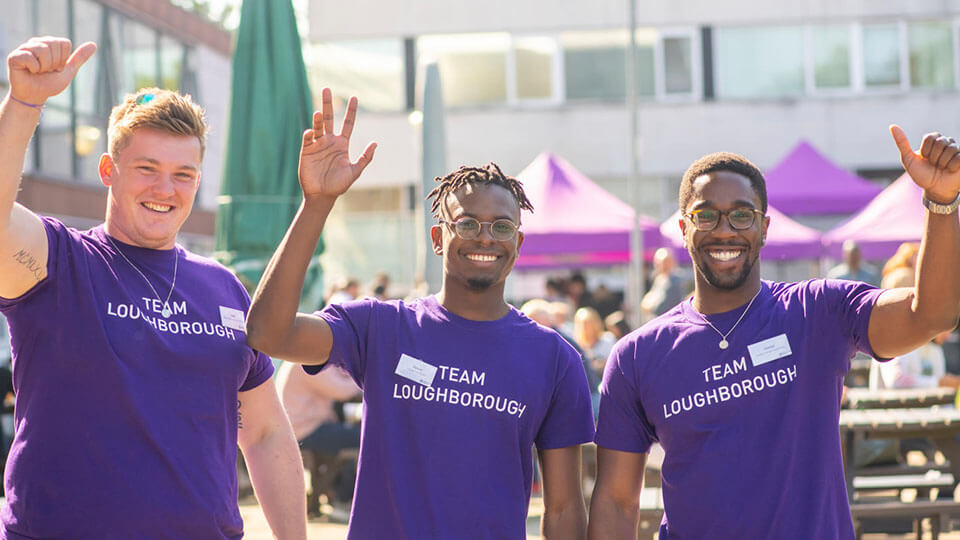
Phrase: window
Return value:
(830, 47)
(55, 143)
(87, 19)
(881, 55)
(677, 65)
(372, 70)
(931, 54)
(595, 64)
(138, 49)
(90, 125)
(533, 67)
(473, 67)
(171, 63)
(52, 21)
(755, 62)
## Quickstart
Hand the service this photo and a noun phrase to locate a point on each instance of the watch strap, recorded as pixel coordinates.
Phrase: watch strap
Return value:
(937, 208)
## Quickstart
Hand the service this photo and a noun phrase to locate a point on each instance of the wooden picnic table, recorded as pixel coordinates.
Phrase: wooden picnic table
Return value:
(863, 398)
(940, 425)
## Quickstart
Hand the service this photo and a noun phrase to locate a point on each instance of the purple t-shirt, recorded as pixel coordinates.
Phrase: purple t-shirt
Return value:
(452, 408)
(126, 422)
(750, 436)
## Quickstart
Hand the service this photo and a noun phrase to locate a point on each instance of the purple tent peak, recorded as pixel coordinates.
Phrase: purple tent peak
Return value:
(893, 217)
(806, 182)
(565, 199)
(575, 222)
(557, 171)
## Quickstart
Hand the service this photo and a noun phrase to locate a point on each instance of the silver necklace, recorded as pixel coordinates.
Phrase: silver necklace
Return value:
(166, 311)
(723, 337)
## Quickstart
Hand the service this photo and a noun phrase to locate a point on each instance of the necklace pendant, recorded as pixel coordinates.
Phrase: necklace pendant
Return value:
(167, 312)
(723, 343)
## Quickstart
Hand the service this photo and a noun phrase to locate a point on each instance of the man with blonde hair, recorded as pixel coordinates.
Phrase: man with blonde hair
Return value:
(134, 382)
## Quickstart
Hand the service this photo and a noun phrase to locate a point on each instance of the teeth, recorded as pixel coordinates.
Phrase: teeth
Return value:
(481, 258)
(158, 207)
(724, 255)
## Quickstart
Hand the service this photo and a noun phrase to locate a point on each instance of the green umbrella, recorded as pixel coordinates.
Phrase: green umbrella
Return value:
(270, 107)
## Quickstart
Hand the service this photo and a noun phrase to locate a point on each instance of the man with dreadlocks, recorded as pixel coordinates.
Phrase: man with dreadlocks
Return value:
(458, 386)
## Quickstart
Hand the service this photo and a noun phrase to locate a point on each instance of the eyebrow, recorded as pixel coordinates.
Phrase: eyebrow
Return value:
(736, 204)
(467, 214)
(152, 161)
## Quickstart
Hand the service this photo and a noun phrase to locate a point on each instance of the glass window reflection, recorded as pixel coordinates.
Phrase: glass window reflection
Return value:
(756, 62)
(931, 54)
(473, 67)
(881, 54)
(831, 56)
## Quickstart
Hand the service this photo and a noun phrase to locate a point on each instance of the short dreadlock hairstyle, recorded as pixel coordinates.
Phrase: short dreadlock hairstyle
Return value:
(488, 174)
(722, 161)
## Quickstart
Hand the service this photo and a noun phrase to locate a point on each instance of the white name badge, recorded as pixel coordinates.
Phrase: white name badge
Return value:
(769, 350)
(232, 318)
(416, 370)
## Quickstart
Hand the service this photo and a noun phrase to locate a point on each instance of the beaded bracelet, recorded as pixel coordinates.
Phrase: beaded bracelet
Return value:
(31, 105)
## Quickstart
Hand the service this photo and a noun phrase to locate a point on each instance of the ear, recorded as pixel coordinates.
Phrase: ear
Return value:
(436, 238)
(763, 230)
(683, 230)
(106, 168)
(519, 240)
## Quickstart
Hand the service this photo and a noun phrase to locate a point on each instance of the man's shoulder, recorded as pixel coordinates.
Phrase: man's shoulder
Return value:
(206, 265)
(663, 329)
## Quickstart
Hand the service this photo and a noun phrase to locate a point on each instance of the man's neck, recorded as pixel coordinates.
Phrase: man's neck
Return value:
(708, 299)
(487, 305)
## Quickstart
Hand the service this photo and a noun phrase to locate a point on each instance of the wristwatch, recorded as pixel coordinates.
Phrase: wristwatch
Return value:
(937, 208)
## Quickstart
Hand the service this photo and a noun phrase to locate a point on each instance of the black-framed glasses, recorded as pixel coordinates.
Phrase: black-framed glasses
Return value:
(468, 228)
(707, 219)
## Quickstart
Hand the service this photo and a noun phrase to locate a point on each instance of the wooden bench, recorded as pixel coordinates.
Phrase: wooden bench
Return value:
(922, 482)
(886, 470)
(937, 511)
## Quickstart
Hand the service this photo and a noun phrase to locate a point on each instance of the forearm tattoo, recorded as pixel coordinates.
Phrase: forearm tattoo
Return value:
(239, 416)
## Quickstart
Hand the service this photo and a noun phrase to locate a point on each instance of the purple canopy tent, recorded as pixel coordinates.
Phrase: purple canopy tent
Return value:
(807, 183)
(893, 217)
(786, 239)
(575, 222)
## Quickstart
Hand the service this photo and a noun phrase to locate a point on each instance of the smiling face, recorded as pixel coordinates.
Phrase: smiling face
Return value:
(153, 181)
(725, 258)
(480, 264)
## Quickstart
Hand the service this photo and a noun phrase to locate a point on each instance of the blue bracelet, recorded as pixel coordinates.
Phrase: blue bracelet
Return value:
(20, 101)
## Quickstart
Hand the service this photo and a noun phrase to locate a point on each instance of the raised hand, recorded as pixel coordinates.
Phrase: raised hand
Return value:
(935, 168)
(43, 66)
(325, 167)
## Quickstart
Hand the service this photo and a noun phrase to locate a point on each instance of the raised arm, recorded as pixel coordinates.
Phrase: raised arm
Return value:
(37, 70)
(903, 319)
(615, 504)
(273, 325)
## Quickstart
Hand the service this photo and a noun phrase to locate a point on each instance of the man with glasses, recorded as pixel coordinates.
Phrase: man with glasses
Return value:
(741, 384)
(458, 386)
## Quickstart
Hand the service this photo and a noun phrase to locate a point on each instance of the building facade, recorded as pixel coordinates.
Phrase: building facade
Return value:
(745, 76)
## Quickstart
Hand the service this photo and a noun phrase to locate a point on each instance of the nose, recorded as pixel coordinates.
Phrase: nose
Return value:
(486, 233)
(163, 186)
